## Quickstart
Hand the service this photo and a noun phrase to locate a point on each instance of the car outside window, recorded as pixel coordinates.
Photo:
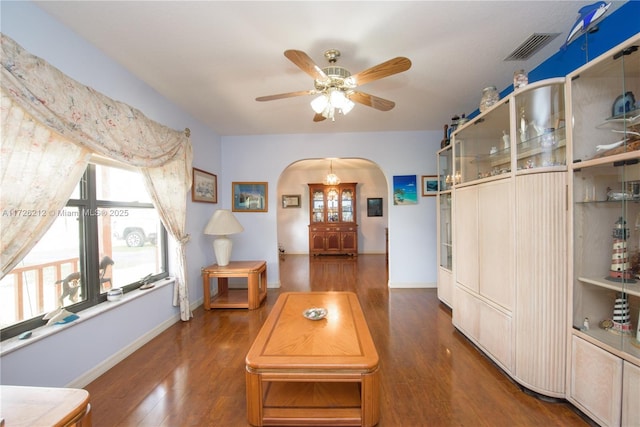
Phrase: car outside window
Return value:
(108, 236)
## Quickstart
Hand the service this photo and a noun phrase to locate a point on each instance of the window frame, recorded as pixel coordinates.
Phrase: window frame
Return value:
(89, 248)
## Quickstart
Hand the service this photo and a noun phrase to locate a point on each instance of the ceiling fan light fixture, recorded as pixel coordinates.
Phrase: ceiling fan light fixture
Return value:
(336, 86)
(348, 106)
(320, 103)
(329, 112)
(337, 98)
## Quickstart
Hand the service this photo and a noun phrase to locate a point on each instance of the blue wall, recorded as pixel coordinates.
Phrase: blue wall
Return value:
(613, 29)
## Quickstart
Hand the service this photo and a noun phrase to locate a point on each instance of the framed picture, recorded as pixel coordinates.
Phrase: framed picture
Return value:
(374, 206)
(249, 196)
(291, 201)
(429, 185)
(204, 187)
(405, 190)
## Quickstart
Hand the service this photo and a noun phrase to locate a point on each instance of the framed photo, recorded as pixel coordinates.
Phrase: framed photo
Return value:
(429, 185)
(249, 196)
(291, 201)
(204, 187)
(405, 190)
(374, 206)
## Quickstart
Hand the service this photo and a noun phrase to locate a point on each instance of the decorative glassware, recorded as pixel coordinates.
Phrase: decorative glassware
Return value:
(520, 79)
(490, 96)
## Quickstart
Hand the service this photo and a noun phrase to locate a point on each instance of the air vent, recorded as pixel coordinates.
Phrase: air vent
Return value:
(531, 46)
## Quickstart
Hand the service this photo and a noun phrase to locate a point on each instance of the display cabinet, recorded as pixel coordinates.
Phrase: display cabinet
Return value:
(540, 125)
(509, 234)
(605, 196)
(482, 147)
(332, 219)
(444, 233)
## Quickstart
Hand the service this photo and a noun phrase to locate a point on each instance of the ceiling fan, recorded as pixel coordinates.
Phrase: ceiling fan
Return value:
(336, 86)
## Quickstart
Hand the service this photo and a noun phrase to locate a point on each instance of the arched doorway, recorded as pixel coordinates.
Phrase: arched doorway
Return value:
(293, 220)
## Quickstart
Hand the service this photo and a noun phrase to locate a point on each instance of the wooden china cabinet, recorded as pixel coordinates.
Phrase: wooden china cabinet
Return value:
(332, 219)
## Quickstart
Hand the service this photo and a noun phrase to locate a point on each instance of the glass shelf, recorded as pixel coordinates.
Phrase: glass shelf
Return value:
(546, 150)
(626, 287)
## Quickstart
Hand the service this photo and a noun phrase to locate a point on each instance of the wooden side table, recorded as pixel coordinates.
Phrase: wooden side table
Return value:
(251, 298)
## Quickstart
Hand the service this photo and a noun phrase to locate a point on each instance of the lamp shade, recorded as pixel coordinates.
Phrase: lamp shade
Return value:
(223, 223)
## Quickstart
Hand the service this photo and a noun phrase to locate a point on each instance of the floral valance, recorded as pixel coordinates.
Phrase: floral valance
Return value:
(83, 115)
(51, 124)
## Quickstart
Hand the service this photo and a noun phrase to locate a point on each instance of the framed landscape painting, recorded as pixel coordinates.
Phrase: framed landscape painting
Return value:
(204, 187)
(249, 196)
(404, 190)
(429, 185)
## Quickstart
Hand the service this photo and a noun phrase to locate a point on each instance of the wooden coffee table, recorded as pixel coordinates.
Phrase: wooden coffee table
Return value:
(313, 372)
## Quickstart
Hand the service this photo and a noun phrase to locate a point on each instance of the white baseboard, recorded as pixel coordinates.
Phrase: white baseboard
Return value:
(112, 361)
(408, 285)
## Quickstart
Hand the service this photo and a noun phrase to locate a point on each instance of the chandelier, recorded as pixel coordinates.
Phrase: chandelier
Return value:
(331, 178)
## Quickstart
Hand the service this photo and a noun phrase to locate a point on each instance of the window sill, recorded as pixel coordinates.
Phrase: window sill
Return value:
(13, 344)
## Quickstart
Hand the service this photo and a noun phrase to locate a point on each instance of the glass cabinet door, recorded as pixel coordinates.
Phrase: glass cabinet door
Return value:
(482, 146)
(318, 204)
(606, 202)
(540, 126)
(606, 107)
(347, 205)
(445, 169)
(446, 242)
(332, 205)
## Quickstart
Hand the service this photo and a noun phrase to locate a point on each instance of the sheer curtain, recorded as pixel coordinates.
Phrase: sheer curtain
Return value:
(167, 188)
(53, 124)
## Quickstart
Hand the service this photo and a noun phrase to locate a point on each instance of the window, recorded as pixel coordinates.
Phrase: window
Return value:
(108, 236)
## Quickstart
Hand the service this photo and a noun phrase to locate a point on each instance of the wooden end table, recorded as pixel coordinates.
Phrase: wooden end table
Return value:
(251, 298)
(313, 372)
(45, 406)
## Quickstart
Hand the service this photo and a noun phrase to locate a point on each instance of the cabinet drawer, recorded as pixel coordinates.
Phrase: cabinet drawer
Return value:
(488, 327)
(596, 381)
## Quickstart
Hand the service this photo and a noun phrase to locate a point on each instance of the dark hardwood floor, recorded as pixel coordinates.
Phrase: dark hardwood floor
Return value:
(193, 373)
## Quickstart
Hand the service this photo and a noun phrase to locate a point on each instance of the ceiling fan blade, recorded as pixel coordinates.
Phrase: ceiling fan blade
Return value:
(372, 101)
(305, 63)
(285, 95)
(388, 68)
(319, 118)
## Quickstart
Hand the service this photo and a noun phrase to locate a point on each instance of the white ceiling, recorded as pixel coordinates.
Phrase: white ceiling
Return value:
(213, 58)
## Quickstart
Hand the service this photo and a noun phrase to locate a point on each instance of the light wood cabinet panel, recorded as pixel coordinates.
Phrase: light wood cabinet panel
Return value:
(630, 395)
(445, 286)
(496, 335)
(496, 242)
(488, 327)
(466, 314)
(596, 382)
(466, 237)
(541, 294)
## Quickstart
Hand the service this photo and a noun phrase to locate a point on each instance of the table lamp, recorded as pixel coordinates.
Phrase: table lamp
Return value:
(223, 223)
